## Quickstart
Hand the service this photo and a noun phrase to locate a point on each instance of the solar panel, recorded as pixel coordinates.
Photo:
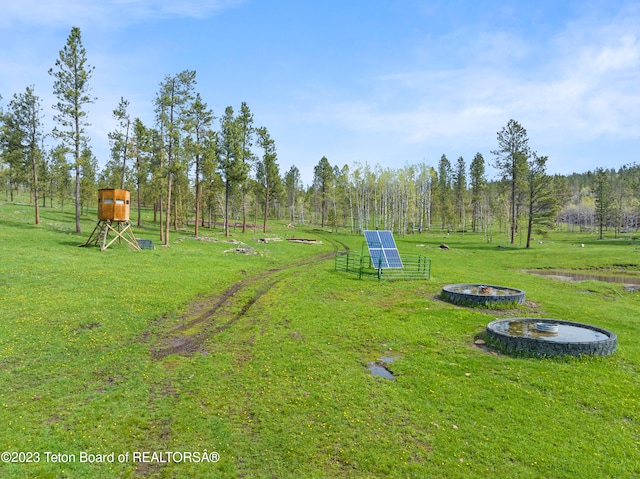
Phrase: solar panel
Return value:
(382, 249)
(371, 237)
(393, 258)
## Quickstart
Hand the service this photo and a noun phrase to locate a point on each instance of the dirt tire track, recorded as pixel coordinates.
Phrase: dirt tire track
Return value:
(217, 317)
(209, 316)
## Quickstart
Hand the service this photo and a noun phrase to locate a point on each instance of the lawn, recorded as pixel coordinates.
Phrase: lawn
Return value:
(196, 361)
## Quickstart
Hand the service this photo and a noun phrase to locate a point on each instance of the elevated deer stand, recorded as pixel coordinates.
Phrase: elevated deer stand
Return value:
(113, 217)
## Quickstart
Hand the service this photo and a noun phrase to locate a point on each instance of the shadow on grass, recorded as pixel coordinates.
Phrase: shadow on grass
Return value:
(22, 225)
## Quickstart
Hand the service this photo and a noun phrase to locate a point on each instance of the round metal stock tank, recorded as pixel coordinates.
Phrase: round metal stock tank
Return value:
(481, 294)
(567, 338)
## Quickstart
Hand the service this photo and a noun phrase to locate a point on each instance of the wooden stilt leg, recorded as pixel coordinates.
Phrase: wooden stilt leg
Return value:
(122, 231)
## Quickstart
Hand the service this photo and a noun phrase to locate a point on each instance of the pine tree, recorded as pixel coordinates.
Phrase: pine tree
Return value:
(323, 179)
(233, 169)
(444, 189)
(478, 184)
(201, 118)
(172, 104)
(542, 201)
(71, 86)
(24, 125)
(268, 172)
(246, 131)
(511, 160)
(460, 188)
(603, 199)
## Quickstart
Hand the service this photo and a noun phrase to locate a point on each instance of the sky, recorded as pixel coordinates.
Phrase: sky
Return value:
(387, 83)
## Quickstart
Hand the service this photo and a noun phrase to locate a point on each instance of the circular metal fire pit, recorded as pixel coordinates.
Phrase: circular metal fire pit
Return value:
(481, 294)
(552, 337)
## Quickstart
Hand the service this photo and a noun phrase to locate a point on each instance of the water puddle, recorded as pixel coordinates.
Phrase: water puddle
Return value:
(576, 276)
(379, 368)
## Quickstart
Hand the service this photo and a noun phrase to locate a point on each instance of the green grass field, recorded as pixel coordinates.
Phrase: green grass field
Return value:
(145, 360)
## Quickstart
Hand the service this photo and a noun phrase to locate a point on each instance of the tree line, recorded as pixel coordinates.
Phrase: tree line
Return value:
(180, 162)
(197, 171)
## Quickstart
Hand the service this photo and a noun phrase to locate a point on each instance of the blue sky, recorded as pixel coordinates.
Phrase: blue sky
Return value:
(388, 83)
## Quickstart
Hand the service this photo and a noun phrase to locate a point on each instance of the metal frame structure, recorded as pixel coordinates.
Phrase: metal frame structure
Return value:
(414, 266)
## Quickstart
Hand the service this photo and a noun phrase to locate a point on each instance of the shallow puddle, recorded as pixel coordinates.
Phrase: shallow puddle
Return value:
(379, 368)
(577, 276)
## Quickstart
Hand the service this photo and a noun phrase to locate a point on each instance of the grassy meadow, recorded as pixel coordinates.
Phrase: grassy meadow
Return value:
(261, 358)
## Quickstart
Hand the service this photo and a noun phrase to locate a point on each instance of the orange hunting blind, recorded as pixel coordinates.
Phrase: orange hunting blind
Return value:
(113, 205)
(113, 217)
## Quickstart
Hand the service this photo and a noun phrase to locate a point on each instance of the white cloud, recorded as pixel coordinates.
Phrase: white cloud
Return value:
(427, 95)
(622, 56)
(580, 86)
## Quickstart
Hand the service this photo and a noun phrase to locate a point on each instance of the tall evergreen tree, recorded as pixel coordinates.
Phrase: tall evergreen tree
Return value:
(444, 188)
(541, 195)
(211, 180)
(142, 141)
(323, 178)
(71, 87)
(460, 188)
(26, 117)
(478, 183)
(11, 151)
(201, 118)
(232, 168)
(246, 131)
(603, 198)
(511, 160)
(172, 105)
(268, 171)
